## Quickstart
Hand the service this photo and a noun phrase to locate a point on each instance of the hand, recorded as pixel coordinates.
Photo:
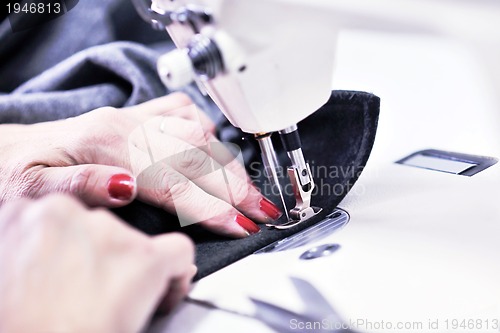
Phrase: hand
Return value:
(163, 152)
(64, 268)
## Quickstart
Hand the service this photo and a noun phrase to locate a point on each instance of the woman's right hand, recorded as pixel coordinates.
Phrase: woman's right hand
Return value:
(65, 268)
(162, 152)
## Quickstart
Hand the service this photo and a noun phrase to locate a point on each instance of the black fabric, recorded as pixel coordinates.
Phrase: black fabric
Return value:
(336, 139)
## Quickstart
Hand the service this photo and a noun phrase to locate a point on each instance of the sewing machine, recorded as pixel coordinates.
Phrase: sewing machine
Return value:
(268, 67)
(254, 70)
(421, 245)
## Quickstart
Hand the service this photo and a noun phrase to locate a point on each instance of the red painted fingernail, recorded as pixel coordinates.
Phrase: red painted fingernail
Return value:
(270, 209)
(121, 187)
(247, 224)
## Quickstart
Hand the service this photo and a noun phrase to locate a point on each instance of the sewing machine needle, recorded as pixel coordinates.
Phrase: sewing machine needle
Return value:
(271, 165)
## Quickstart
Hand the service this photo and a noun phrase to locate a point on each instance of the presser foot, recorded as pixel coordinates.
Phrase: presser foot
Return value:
(302, 191)
(297, 217)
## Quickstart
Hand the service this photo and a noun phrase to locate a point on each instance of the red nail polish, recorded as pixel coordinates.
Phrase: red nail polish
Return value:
(121, 187)
(270, 209)
(247, 224)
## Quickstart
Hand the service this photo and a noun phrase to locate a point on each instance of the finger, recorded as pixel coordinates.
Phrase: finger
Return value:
(162, 105)
(217, 171)
(174, 105)
(164, 187)
(96, 185)
(176, 253)
(254, 205)
(194, 114)
(192, 133)
(181, 128)
(227, 156)
(177, 291)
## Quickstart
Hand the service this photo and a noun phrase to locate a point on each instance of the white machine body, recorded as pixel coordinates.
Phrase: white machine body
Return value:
(277, 66)
(268, 64)
(278, 55)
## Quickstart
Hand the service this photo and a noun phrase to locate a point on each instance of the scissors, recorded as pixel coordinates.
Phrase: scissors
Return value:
(318, 312)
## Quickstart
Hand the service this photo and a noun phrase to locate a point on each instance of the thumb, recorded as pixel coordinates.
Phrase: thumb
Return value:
(96, 185)
(176, 256)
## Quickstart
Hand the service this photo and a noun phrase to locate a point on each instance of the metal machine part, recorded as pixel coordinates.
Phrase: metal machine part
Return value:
(307, 213)
(300, 175)
(158, 19)
(449, 162)
(293, 146)
(330, 224)
(321, 251)
(195, 16)
(201, 59)
(270, 162)
(278, 318)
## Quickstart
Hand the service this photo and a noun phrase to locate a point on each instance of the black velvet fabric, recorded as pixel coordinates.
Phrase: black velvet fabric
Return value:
(337, 141)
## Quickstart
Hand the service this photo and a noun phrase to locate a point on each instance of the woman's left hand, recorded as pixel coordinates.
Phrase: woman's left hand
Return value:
(162, 152)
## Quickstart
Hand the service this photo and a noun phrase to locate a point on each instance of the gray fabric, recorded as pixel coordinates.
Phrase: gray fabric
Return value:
(116, 74)
(93, 56)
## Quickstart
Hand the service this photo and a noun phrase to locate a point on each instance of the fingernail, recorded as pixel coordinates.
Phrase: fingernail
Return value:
(247, 224)
(121, 187)
(270, 209)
